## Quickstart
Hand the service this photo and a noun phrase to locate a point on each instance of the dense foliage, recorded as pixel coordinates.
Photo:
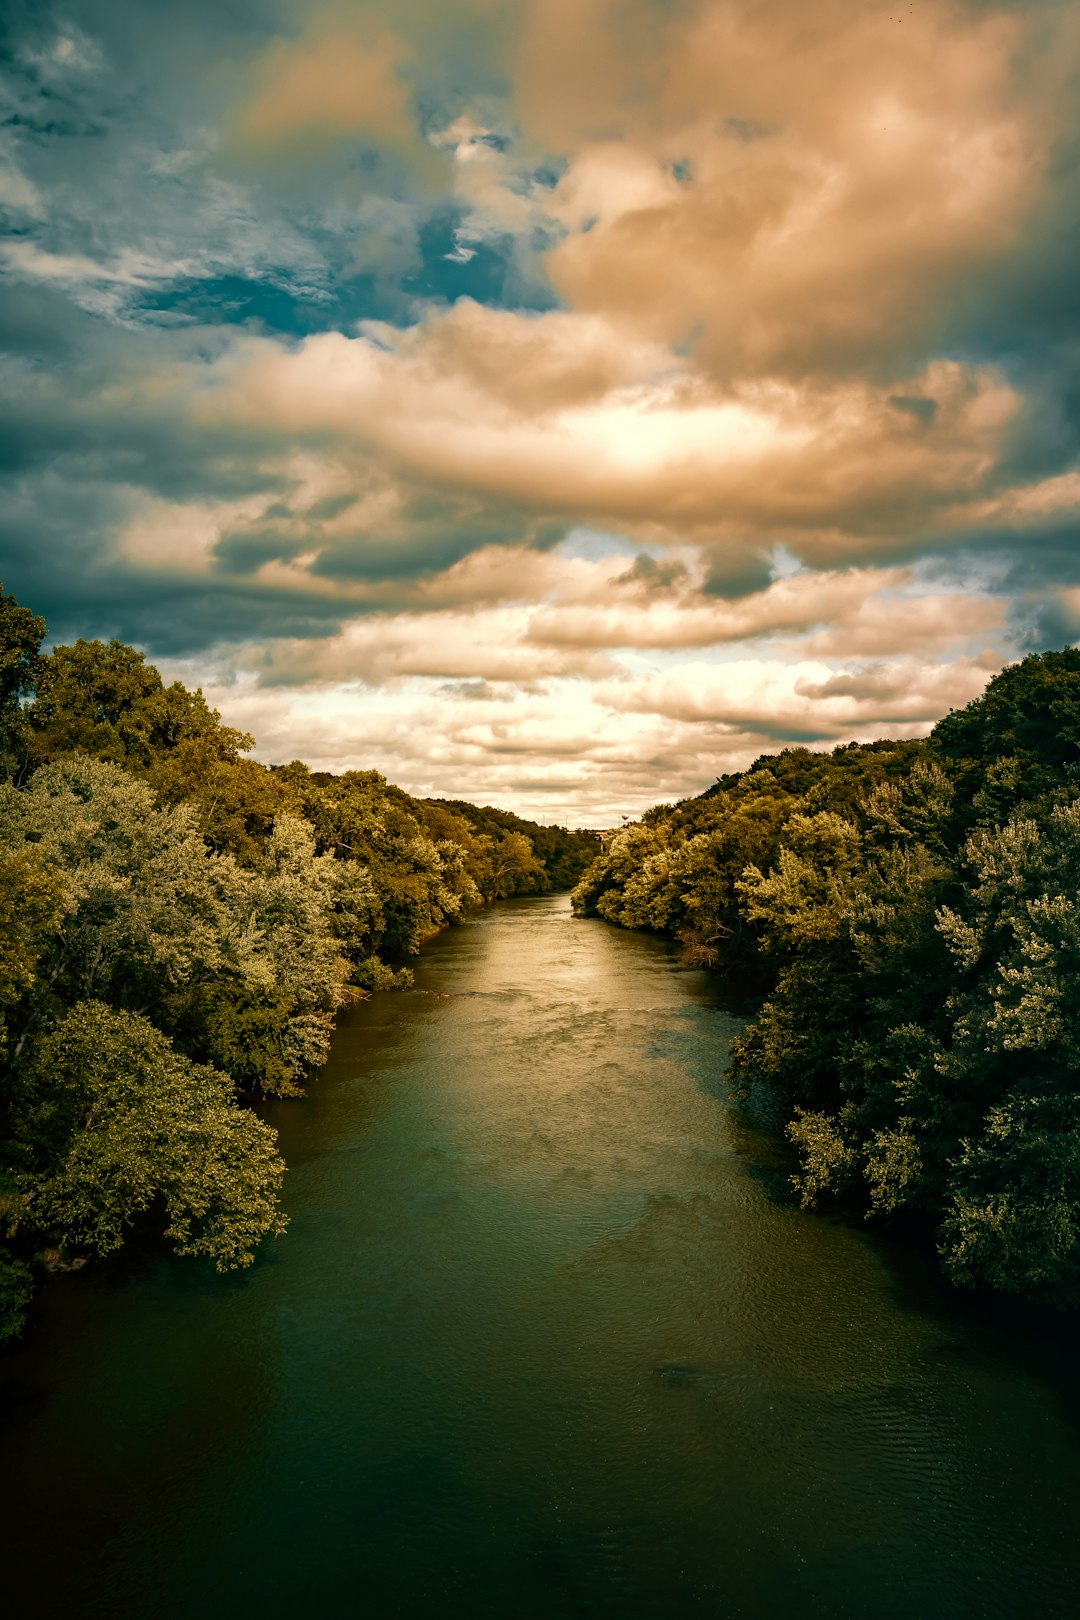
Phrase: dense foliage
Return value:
(913, 911)
(178, 926)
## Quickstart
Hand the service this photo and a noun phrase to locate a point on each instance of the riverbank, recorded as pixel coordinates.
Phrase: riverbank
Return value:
(546, 1337)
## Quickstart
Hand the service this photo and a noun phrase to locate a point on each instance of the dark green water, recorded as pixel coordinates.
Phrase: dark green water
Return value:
(543, 1341)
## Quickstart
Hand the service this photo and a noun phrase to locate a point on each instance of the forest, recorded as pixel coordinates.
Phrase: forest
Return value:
(910, 913)
(179, 926)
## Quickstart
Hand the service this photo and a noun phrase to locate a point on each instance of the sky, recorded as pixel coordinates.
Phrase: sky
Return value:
(549, 403)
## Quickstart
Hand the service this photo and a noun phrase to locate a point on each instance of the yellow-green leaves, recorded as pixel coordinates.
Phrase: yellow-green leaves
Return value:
(33, 902)
(119, 1122)
(241, 964)
(806, 900)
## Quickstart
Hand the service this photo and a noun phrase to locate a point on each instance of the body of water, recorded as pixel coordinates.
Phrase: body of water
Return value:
(546, 1339)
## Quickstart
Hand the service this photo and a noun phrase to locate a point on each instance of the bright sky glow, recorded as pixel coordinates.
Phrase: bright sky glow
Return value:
(552, 403)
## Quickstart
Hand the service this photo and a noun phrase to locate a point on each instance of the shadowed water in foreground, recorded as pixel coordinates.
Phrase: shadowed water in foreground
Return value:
(545, 1339)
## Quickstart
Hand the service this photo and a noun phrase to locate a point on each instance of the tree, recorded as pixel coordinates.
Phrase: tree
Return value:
(1013, 1219)
(21, 633)
(562, 855)
(33, 901)
(1025, 727)
(268, 1015)
(509, 867)
(16, 1292)
(154, 922)
(420, 885)
(142, 909)
(602, 888)
(113, 1121)
(237, 800)
(105, 699)
(851, 1030)
(1013, 1062)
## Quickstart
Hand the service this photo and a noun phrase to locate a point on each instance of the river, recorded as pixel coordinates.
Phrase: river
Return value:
(546, 1338)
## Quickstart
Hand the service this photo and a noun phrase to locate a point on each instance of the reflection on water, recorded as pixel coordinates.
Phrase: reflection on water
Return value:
(541, 1342)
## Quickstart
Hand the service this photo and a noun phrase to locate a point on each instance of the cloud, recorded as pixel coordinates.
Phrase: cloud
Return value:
(927, 624)
(797, 603)
(488, 645)
(538, 752)
(556, 413)
(341, 79)
(805, 699)
(554, 401)
(824, 185)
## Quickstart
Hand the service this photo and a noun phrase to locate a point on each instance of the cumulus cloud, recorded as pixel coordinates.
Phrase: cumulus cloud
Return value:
(343, 78)
(487, 646)
(624, 435)
(857, 613)
(804, 699)
(822, 181)
(556, 425)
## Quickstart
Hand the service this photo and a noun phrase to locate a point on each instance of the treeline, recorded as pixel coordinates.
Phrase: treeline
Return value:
(178, 927)
(913, 911)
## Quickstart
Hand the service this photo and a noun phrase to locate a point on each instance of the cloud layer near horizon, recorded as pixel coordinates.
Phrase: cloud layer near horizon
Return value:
(549, 404)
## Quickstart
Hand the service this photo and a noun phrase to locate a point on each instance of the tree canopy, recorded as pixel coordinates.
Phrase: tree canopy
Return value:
(179, 925)
(912, 913)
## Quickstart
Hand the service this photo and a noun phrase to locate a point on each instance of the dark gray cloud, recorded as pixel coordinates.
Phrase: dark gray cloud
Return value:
(135, 250)
(654, 576)
(471, 691)
(1051, 624)
(917, 405)
(737, 575)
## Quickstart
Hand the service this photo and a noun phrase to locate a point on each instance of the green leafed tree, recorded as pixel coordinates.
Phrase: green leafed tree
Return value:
(509, 866)
(21, 634)
(1018, 743)
(1012, 1219)
(33, 904)
(152, 921)
(114, 1124)
(103, 698)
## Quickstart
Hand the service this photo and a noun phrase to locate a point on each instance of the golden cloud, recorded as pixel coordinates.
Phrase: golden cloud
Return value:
(790, 189)
(557, 414)
(343, 78)
(901, 698)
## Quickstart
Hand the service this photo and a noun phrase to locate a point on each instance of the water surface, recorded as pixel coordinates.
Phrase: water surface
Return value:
(545, 1339)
